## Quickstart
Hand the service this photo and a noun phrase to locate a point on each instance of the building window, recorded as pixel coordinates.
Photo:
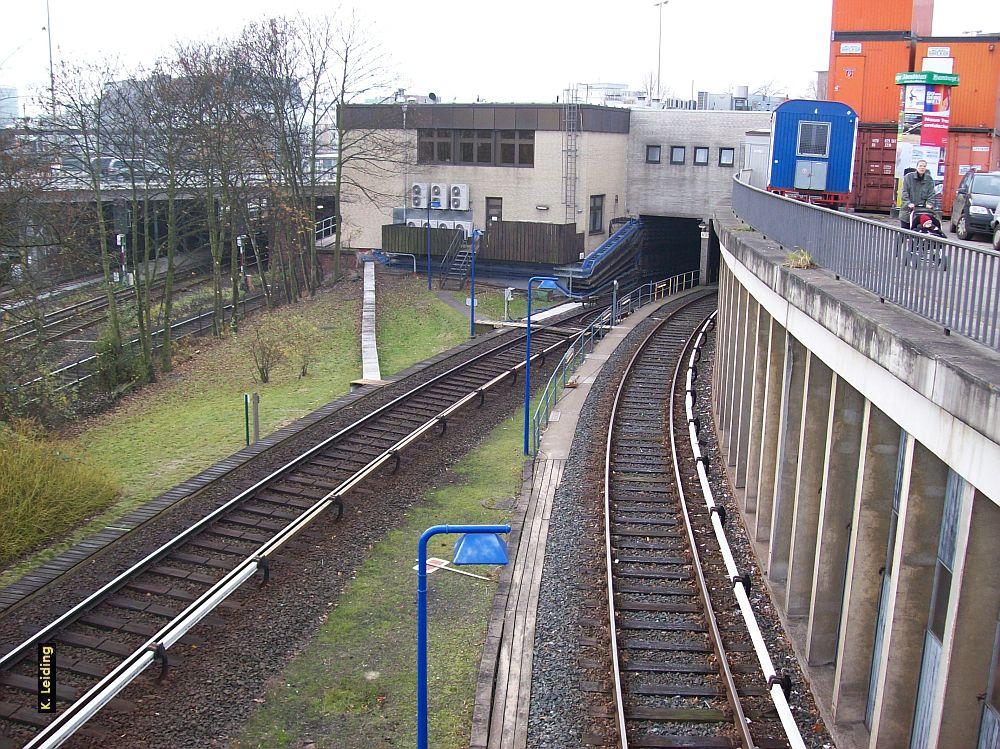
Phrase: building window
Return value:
(596, 214)
(727, 156)
(701, 156)
(652, 154)
(475, 147)
(517, 148)
(677, 154)
(434, 146)
(814, 139)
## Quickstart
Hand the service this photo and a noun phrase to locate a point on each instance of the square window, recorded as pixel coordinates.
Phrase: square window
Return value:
(466, 153)
(507, 154)
(444, 150)
(425, 152)
(677, 154)
(727, 156)
(484, 152)
(814, 139)
(652, 154)
(701, 156)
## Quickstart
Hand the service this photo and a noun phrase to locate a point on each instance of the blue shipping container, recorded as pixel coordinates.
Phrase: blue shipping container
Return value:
(812, 147)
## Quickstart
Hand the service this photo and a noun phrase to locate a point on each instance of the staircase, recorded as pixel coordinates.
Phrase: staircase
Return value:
(458, 270)
(618, 257)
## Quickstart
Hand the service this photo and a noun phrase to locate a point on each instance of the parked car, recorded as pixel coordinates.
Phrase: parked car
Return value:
(975, 203)
(995, 226)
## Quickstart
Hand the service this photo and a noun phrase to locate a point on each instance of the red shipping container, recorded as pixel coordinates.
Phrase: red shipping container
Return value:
(885, 15)
(874, 169)
(975, 102)
(966, 150)
(863, 76)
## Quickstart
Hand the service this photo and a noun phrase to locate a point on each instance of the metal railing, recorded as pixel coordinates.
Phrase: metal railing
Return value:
(955, 284)
(584, 342)
(326, 228)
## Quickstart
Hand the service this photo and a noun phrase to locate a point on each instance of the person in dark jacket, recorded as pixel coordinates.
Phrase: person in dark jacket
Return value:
(918, 189)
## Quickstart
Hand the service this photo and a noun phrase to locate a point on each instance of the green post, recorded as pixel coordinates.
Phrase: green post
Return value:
(246, 416)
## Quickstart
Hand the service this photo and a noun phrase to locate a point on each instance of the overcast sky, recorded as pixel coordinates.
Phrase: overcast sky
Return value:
(523, 50)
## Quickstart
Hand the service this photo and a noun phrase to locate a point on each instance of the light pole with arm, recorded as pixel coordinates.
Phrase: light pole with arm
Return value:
(659, 46)
(481, 544)
(552, 283)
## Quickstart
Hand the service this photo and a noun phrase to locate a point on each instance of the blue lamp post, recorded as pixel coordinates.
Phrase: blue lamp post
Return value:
(427, 234)
(544, 282)
(476, 233)
(480, 544)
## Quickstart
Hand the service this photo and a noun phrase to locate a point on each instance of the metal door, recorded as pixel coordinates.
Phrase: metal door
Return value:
(494, 210)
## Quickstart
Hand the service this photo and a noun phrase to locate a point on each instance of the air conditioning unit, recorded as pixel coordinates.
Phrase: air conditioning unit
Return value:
(413, 222)
(439, 195)
(465, 227)
(418, 195)
(444, 224)
(459, 197)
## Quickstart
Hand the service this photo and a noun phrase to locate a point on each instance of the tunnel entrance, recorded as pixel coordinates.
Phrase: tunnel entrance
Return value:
(671, 246)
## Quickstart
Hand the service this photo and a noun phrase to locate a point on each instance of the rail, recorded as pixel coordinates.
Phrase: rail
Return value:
(741, 582)
(583, 343)
(954, 284)
(80, 711)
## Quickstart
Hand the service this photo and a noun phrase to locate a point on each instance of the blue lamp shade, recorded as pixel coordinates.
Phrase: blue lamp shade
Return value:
(480, 548)
(549, 284)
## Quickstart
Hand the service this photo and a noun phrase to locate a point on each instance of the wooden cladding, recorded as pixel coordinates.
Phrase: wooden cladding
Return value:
(504, 241)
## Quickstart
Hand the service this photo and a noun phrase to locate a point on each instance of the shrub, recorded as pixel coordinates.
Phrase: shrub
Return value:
(266, 348)
(117, 364)
(45, 488)
(301, 343)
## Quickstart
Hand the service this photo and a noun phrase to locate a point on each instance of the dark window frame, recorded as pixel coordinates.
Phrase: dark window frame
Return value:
(436, 139)
(732, 153)
(659, 154)
(596, 227)
(708, 153)
(520, 145)
(683, 150)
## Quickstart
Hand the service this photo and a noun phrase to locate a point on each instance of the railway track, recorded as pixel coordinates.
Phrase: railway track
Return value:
(688, 666)
(65, 321)
(107, 640)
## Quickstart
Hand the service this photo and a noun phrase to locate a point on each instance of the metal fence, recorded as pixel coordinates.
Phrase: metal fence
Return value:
(955, 284)
(584, 341)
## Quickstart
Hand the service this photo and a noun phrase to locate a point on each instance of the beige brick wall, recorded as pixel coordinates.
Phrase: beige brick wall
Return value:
(601, 171)
(685, 190)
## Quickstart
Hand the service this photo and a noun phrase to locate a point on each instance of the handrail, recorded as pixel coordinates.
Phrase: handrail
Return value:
(584, 342)
(326, 227)
(604, 250)
(456, 242)
(954, 284)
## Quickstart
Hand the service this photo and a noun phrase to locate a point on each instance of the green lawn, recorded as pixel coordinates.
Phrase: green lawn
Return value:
(490, 302)
(354, 685)
(161, 435)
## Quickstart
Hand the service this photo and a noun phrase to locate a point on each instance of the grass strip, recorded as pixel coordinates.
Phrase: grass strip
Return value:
(354, 687)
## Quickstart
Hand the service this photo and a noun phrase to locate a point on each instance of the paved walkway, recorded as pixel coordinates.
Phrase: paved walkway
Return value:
(369, 348)
(500, 714)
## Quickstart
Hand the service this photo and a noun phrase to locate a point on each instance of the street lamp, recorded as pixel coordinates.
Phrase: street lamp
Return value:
(544, 282)
(659, 46)
(480, 544)
(476, 233)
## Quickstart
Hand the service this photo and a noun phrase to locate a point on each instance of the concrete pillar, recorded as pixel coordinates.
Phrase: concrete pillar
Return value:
(770, 426)
(787, 461)
(717, 363)
(758, 383)
(739, 362)
(909, 596)
(836, 505)
(816, 419)
(746, 393)
(738, 322)
(722, 340)
(866, 554)
(973, 610)
(703, 264)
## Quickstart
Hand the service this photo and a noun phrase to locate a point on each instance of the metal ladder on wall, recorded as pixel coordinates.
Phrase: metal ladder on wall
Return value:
(571, 132)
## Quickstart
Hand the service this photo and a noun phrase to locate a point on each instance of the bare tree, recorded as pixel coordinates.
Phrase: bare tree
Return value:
(366, 156)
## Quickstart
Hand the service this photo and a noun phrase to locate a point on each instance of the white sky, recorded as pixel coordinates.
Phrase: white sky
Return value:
(504, 50)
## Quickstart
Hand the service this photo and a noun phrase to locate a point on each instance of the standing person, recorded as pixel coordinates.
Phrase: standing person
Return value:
(918, 189)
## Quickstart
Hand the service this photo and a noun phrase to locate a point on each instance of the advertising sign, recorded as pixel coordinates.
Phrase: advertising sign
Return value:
(924, 115)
